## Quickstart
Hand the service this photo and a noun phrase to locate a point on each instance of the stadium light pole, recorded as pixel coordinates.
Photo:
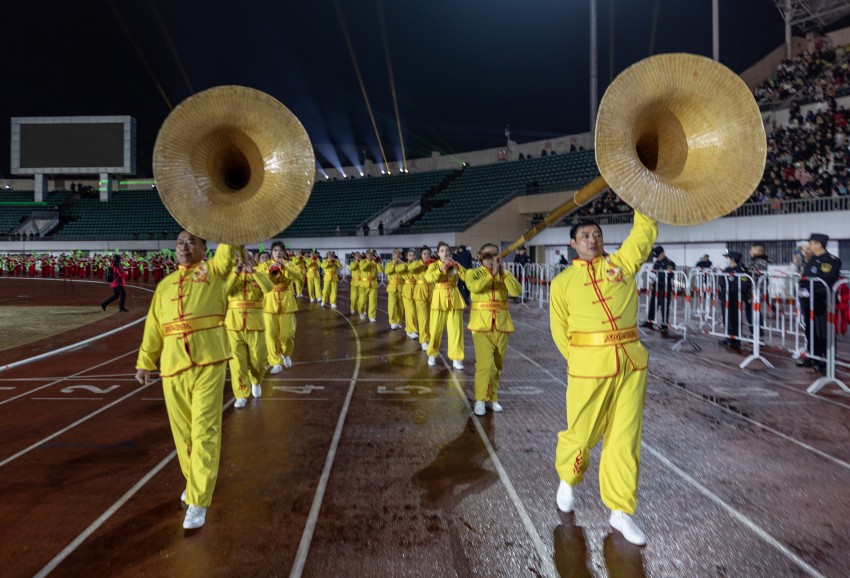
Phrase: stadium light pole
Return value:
(593, 73)
(715, 29)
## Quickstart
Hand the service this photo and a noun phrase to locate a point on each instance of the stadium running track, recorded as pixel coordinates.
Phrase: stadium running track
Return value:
(361, 460)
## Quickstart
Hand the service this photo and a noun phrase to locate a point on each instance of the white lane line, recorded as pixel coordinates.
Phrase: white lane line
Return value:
(545, 557)
(74, 376)
(747, 522)
(69, 549)
(73, 425)
(310, 526)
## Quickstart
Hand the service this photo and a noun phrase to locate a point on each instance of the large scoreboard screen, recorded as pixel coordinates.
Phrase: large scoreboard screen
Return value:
(74, 145)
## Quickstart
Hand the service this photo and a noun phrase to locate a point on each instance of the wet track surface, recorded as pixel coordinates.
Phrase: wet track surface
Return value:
(361, 460)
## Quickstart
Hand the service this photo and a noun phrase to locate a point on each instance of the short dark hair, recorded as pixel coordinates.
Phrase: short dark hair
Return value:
(583, 223)
(278, 244)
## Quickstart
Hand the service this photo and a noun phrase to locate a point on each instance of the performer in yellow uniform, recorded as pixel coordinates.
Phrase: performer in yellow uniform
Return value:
(422, 295)
(331, 266)
(246, 328)
(354, 287)
(369, 269)
(185, 332)
(406, 276)
(593, 314)
(314, 283)
(394, 292)
(279, 307)
(446, 306)
(299, 261)
(490, 323)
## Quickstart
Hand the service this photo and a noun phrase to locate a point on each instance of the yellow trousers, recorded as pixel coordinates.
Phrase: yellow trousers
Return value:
(280, 336)
(314, 287)
(248, 364)
(611, 408)
(422, 327)
(299, 285)
(368, 301)
(452, 322)
(329, 292)
(354, 298)
(193, 399)
(394, 308)
(409, 315)
(490, 348)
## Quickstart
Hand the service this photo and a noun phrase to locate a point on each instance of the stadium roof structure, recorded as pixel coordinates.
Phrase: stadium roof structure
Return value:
(809, 15)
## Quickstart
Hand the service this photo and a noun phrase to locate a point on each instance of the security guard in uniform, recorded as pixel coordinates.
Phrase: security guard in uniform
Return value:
(734, 290)
(664, 270)
(593, 315)
(813, 297)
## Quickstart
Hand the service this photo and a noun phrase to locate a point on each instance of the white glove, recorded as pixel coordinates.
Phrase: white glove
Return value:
(804, 293)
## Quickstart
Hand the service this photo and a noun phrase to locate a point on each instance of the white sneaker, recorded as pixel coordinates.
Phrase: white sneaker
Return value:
(624, 524)
(362, 317)
(241, 402)
(432, 360)
(276, 368)
(457, 364)
(394, 326)
(195, 517)
(352, 312)
(372, 320)
(333, 305)
(324, 304)
(479, 408)
(565, 498)
(300, 295)
(256, 390)
(496, 407)
(424, 347)
(413, 335)
(287, 361)
(183, 497)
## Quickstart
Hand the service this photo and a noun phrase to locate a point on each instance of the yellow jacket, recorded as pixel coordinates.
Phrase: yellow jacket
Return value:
(394, 278)
(593, 307)
(421, 290)
(331, 268)
(312, 267)
(369, 273)
(245, 294)
(405, 279)
(185, 324)
(354, 267)
(489, 297)
(445, 296)
(281, 299)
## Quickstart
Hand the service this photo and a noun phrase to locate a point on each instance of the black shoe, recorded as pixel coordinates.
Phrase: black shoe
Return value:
(102, 306)
(124, 310)
(663, 330)
(805, 362)
(735, 344)
(723, 342)
(647, 324)
(819, 367)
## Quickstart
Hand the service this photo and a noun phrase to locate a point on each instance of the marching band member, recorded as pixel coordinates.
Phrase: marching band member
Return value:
(279, 307)
(300, 260)
(593, 313)
(369, 269)
(331, 266)
(354, 286)
(246, 327)
(422, 295)
(446, 306)
(394, 292)
(489, 286)
(185, 333)
(406, 275)
(314, 283)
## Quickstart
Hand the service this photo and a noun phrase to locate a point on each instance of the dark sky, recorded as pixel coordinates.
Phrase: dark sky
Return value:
(463, 69)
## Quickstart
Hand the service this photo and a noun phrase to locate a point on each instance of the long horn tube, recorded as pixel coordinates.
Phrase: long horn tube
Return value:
(581, 197)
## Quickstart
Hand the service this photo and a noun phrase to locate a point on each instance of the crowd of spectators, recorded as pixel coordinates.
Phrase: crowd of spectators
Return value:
(810, 77)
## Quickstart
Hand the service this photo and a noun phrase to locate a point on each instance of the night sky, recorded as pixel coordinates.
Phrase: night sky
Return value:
(463, 69)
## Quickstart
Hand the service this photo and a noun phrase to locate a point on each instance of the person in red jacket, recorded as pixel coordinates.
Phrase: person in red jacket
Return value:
(117, 284)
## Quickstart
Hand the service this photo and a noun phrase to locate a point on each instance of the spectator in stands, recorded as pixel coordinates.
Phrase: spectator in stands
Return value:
(365, 229)
(380, 227)
(116, 276)
(563, 261)
(337, 231)
(704, 262)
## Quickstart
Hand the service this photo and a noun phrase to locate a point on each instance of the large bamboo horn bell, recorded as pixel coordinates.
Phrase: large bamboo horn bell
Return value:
(233, 165)
(679, 137)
